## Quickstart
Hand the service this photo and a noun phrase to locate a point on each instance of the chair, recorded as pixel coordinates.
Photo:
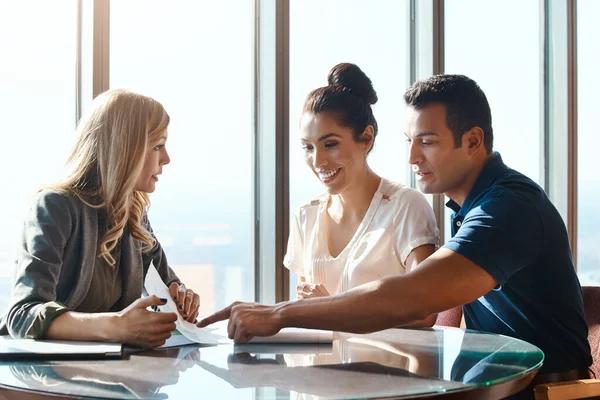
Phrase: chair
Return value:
(450, 317)
(584, 388)
(591, 303)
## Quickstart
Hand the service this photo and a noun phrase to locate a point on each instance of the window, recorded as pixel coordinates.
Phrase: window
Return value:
(499, 45)
(325, 33)
(37, 98)
(506, 65)
(196, 59)
(588, 251)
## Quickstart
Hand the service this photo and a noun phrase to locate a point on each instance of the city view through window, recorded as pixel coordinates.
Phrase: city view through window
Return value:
(201, 70)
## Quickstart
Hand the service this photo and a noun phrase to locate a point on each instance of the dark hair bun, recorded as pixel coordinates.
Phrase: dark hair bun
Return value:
(351, 77)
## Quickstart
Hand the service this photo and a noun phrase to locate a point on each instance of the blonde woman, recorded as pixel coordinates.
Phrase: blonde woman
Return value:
(87, 243)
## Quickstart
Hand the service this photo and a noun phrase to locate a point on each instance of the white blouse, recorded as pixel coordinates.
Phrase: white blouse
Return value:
(399, 219)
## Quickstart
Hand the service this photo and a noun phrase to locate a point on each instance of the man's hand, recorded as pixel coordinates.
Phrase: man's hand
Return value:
(187, 301)
(305, 290)
(246, 320)
(141, 327)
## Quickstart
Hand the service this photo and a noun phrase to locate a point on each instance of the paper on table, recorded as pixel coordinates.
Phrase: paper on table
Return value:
(287, 349)
(28, 348)
(155, 286)
(176, 340)
(296, 335)
(286, 335)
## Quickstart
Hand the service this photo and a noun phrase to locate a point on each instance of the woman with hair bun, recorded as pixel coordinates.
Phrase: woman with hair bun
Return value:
(87, 243)
(364, 227)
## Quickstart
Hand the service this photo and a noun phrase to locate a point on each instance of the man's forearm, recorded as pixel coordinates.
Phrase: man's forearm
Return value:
(367, 308)
(444, 281)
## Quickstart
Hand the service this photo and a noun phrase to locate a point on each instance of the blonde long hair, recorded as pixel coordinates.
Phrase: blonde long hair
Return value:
(108, 157)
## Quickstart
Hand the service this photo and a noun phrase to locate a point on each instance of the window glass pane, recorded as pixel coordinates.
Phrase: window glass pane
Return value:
(37, 99)
(372, 35)
(506, 63)
(588, 250)
(499, 45)
(196, 59)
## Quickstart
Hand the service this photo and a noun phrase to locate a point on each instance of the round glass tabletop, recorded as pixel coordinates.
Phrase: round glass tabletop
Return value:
(393, 363)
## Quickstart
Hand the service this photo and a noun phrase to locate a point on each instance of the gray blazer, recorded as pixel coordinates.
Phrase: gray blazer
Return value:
(57, 255)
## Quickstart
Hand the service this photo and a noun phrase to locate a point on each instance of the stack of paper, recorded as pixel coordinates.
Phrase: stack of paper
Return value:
(155, 286)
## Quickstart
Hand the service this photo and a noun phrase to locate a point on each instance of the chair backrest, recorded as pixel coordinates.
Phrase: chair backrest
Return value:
(580, 389)
(450, 317)
(591, 303)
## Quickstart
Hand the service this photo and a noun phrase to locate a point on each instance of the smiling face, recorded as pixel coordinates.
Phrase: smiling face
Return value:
(331, 152)
(156, 157)
(439, 166)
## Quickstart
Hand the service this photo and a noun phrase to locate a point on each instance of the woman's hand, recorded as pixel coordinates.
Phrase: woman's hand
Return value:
(141, 327)
(306, 290)
(187, 301)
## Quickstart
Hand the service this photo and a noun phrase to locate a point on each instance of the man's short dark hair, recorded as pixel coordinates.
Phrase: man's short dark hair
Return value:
(465, 102)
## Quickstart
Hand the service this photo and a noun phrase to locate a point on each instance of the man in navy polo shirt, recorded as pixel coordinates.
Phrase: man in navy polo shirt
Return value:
(503, 222)
(508, 263)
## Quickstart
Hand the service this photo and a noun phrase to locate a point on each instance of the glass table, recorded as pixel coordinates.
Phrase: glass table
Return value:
(396, 363)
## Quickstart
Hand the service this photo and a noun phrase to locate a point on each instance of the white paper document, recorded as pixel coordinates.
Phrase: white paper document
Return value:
(14, 349)
(155, 286)
(286, 335)
(176, 340)
(296, 335)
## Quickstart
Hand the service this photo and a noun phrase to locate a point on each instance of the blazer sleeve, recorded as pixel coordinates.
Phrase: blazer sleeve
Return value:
(159, 259)
(46, 232)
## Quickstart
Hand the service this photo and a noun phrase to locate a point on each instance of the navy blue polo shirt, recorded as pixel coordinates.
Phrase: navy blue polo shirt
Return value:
(508, 226)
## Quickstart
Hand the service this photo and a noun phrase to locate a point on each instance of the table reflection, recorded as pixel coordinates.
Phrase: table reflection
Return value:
(360, 368)
(140, 377)
(399, 363)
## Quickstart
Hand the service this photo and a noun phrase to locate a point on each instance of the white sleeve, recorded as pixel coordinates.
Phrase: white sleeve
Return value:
(294, 257)
(414, 224)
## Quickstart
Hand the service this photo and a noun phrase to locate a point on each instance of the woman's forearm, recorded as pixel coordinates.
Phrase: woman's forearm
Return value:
(135, 325)
(83, 326)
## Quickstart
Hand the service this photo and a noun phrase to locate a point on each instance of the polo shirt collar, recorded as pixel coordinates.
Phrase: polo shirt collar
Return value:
(492, 169)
